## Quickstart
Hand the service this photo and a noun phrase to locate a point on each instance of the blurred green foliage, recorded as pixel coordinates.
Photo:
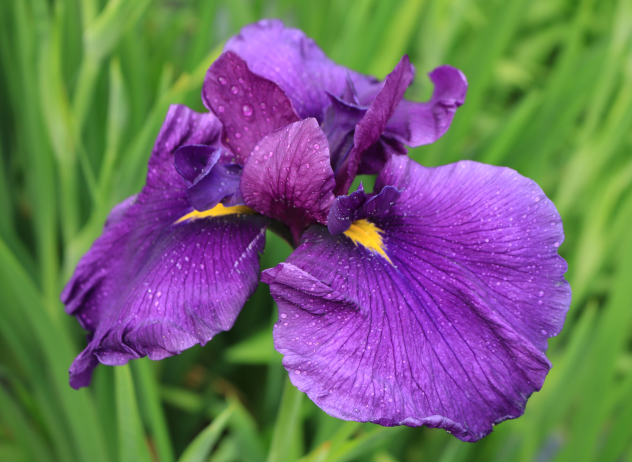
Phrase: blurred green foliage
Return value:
(84, 87)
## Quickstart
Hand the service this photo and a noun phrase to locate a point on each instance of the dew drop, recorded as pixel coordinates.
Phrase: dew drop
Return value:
(222, 80)
(221, 108)
(234, 90)
(247, 109)
(284, 315)
(237, 135)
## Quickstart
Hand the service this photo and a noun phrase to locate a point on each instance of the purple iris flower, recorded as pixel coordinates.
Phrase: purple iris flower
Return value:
(426, 302)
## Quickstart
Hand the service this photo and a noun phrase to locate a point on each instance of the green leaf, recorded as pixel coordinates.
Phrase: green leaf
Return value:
(201, 447)
(132, 441)
(286, 430)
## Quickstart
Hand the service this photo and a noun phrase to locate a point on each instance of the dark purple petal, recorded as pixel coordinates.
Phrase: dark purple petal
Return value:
(358, 206)
(372, 125)
(249, 106)
(447, 327)
(288, 176)
(219, 184)
(107, 292)
(415, 124)
(211, 181)
(194, 160)
(294, 61)
(339, 124)
(374, 158)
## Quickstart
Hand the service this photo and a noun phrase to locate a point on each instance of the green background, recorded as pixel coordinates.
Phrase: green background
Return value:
(84, 87)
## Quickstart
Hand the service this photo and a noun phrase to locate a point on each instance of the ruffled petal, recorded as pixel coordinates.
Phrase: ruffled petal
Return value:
(294, 61)
(416, 124)
(249, 106)
(448, 325)
(288, 176)
(370, 128)
(143, 248)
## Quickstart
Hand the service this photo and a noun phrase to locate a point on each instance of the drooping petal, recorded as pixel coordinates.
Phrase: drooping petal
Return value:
(416, 124)
(249, 106)
(294, 61)
(447, 326)
(203, 269)
(288, 176)
(359, 206)
(370, 128)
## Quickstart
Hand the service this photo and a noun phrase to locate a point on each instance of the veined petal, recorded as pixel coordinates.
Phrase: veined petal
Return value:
(249, 106)
(372, 125)
(294, 61)
(288, 176)
(448, 326)
(416, 124)
(151, 286)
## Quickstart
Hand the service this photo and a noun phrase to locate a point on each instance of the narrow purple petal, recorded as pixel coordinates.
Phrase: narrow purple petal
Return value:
(107, 292)
(339, 124)
(294, 61)
(359, 206)
(288, 176)
(416, 124)
(372, 125)
(249, 106)
(448, 328)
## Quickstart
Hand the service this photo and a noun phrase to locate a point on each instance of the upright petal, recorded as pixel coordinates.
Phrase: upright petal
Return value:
(288, 176)
(294, 61)
(372, 125)
(339, 124)
(440, 316)
(249, 106)
(415, 124)
(151, 285)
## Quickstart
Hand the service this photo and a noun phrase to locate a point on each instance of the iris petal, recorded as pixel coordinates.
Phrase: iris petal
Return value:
(415, 124)
(288, 176)
(372, 125)
(249, 106)
(294, 61)
(452, 334)
(151, 286)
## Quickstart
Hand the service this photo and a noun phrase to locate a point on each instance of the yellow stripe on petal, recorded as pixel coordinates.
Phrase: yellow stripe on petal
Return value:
(366, 233)
(217, 211)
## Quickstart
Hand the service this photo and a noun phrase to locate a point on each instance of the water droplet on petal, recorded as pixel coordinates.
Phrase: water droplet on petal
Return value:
(247, 109)
(221, 108)
(234, 90)
(222, 80)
